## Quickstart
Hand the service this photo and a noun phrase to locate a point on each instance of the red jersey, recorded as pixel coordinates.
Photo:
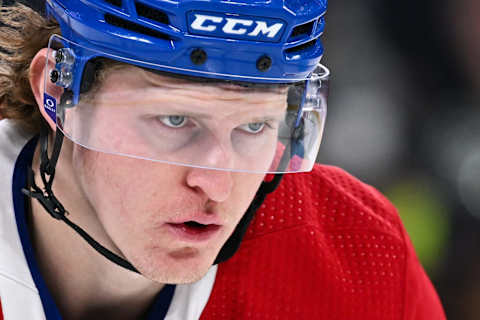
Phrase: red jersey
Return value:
(324, 246)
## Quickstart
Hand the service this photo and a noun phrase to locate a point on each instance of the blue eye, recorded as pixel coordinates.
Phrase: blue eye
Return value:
(174, 121)
(253, 127)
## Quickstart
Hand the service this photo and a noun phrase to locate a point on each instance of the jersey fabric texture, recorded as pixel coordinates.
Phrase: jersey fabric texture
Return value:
(322, 246)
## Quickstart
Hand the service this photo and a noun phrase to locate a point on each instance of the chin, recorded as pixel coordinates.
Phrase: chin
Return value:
(183, 277)
(178, 276)
(182, 266)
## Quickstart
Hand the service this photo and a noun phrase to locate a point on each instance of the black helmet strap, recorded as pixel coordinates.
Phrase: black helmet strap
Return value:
(52, 205)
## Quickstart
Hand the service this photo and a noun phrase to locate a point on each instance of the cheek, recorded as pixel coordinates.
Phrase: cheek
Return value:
(97, 179)
(122, 190)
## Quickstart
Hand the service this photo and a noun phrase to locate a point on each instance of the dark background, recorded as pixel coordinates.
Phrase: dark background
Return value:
(404, 116)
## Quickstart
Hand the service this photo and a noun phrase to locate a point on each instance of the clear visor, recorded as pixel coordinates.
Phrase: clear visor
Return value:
(138, 112)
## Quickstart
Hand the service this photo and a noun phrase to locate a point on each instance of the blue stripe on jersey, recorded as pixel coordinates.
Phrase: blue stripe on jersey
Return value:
(24, 160)
(157, 310)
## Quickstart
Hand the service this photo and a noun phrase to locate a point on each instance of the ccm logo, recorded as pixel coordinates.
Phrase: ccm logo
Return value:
(241, 28)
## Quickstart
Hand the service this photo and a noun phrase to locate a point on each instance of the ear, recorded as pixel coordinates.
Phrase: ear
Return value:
(37, 73)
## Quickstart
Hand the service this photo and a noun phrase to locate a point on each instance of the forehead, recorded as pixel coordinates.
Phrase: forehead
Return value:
(126, 77)
(129, 86)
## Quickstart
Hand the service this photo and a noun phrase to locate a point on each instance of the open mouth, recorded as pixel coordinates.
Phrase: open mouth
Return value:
(193, 224)
(195, 227)
(192, 230)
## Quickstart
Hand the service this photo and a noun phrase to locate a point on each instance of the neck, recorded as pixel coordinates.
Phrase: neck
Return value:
(84, 284)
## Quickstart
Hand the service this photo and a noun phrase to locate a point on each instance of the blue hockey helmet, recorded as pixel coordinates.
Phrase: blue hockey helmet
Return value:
(257, 40)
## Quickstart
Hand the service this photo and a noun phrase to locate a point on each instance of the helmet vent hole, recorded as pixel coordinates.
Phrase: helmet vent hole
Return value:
(302, 47)
(116, 3)
(303, 30)
(128, 25)
(264, 63)
(151, 13)
(198, 56)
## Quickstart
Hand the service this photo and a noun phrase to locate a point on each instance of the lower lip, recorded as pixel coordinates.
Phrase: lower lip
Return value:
(193, 234)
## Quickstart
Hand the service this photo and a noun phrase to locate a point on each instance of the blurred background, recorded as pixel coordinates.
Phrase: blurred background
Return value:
(404, 116)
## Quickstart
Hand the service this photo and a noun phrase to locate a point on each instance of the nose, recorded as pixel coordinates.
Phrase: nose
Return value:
(215, 184)
(215, 153)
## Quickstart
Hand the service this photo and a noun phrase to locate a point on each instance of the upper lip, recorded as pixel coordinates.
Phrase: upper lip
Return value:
(200, 217)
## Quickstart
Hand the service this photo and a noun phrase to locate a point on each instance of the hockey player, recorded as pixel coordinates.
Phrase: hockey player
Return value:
(186, 187)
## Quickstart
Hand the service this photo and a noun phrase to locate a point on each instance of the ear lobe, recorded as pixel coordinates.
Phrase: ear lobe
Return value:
(37, 83)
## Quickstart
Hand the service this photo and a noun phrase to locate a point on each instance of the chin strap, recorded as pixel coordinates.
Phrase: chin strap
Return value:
(52, 205)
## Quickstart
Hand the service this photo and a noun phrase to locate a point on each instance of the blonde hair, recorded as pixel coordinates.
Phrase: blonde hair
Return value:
(23, 32)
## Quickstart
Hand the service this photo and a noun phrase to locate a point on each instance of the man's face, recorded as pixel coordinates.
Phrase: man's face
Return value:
(170, 221)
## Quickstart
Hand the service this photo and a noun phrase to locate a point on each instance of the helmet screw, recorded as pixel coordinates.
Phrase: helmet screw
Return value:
(264, 63)
(61, 79)
(54, 75)
(198, 56)
(59, 57)
(65, 56)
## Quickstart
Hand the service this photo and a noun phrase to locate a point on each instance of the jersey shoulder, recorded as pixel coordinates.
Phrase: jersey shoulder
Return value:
(324, 246)
(327, 199)
(15, 276)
